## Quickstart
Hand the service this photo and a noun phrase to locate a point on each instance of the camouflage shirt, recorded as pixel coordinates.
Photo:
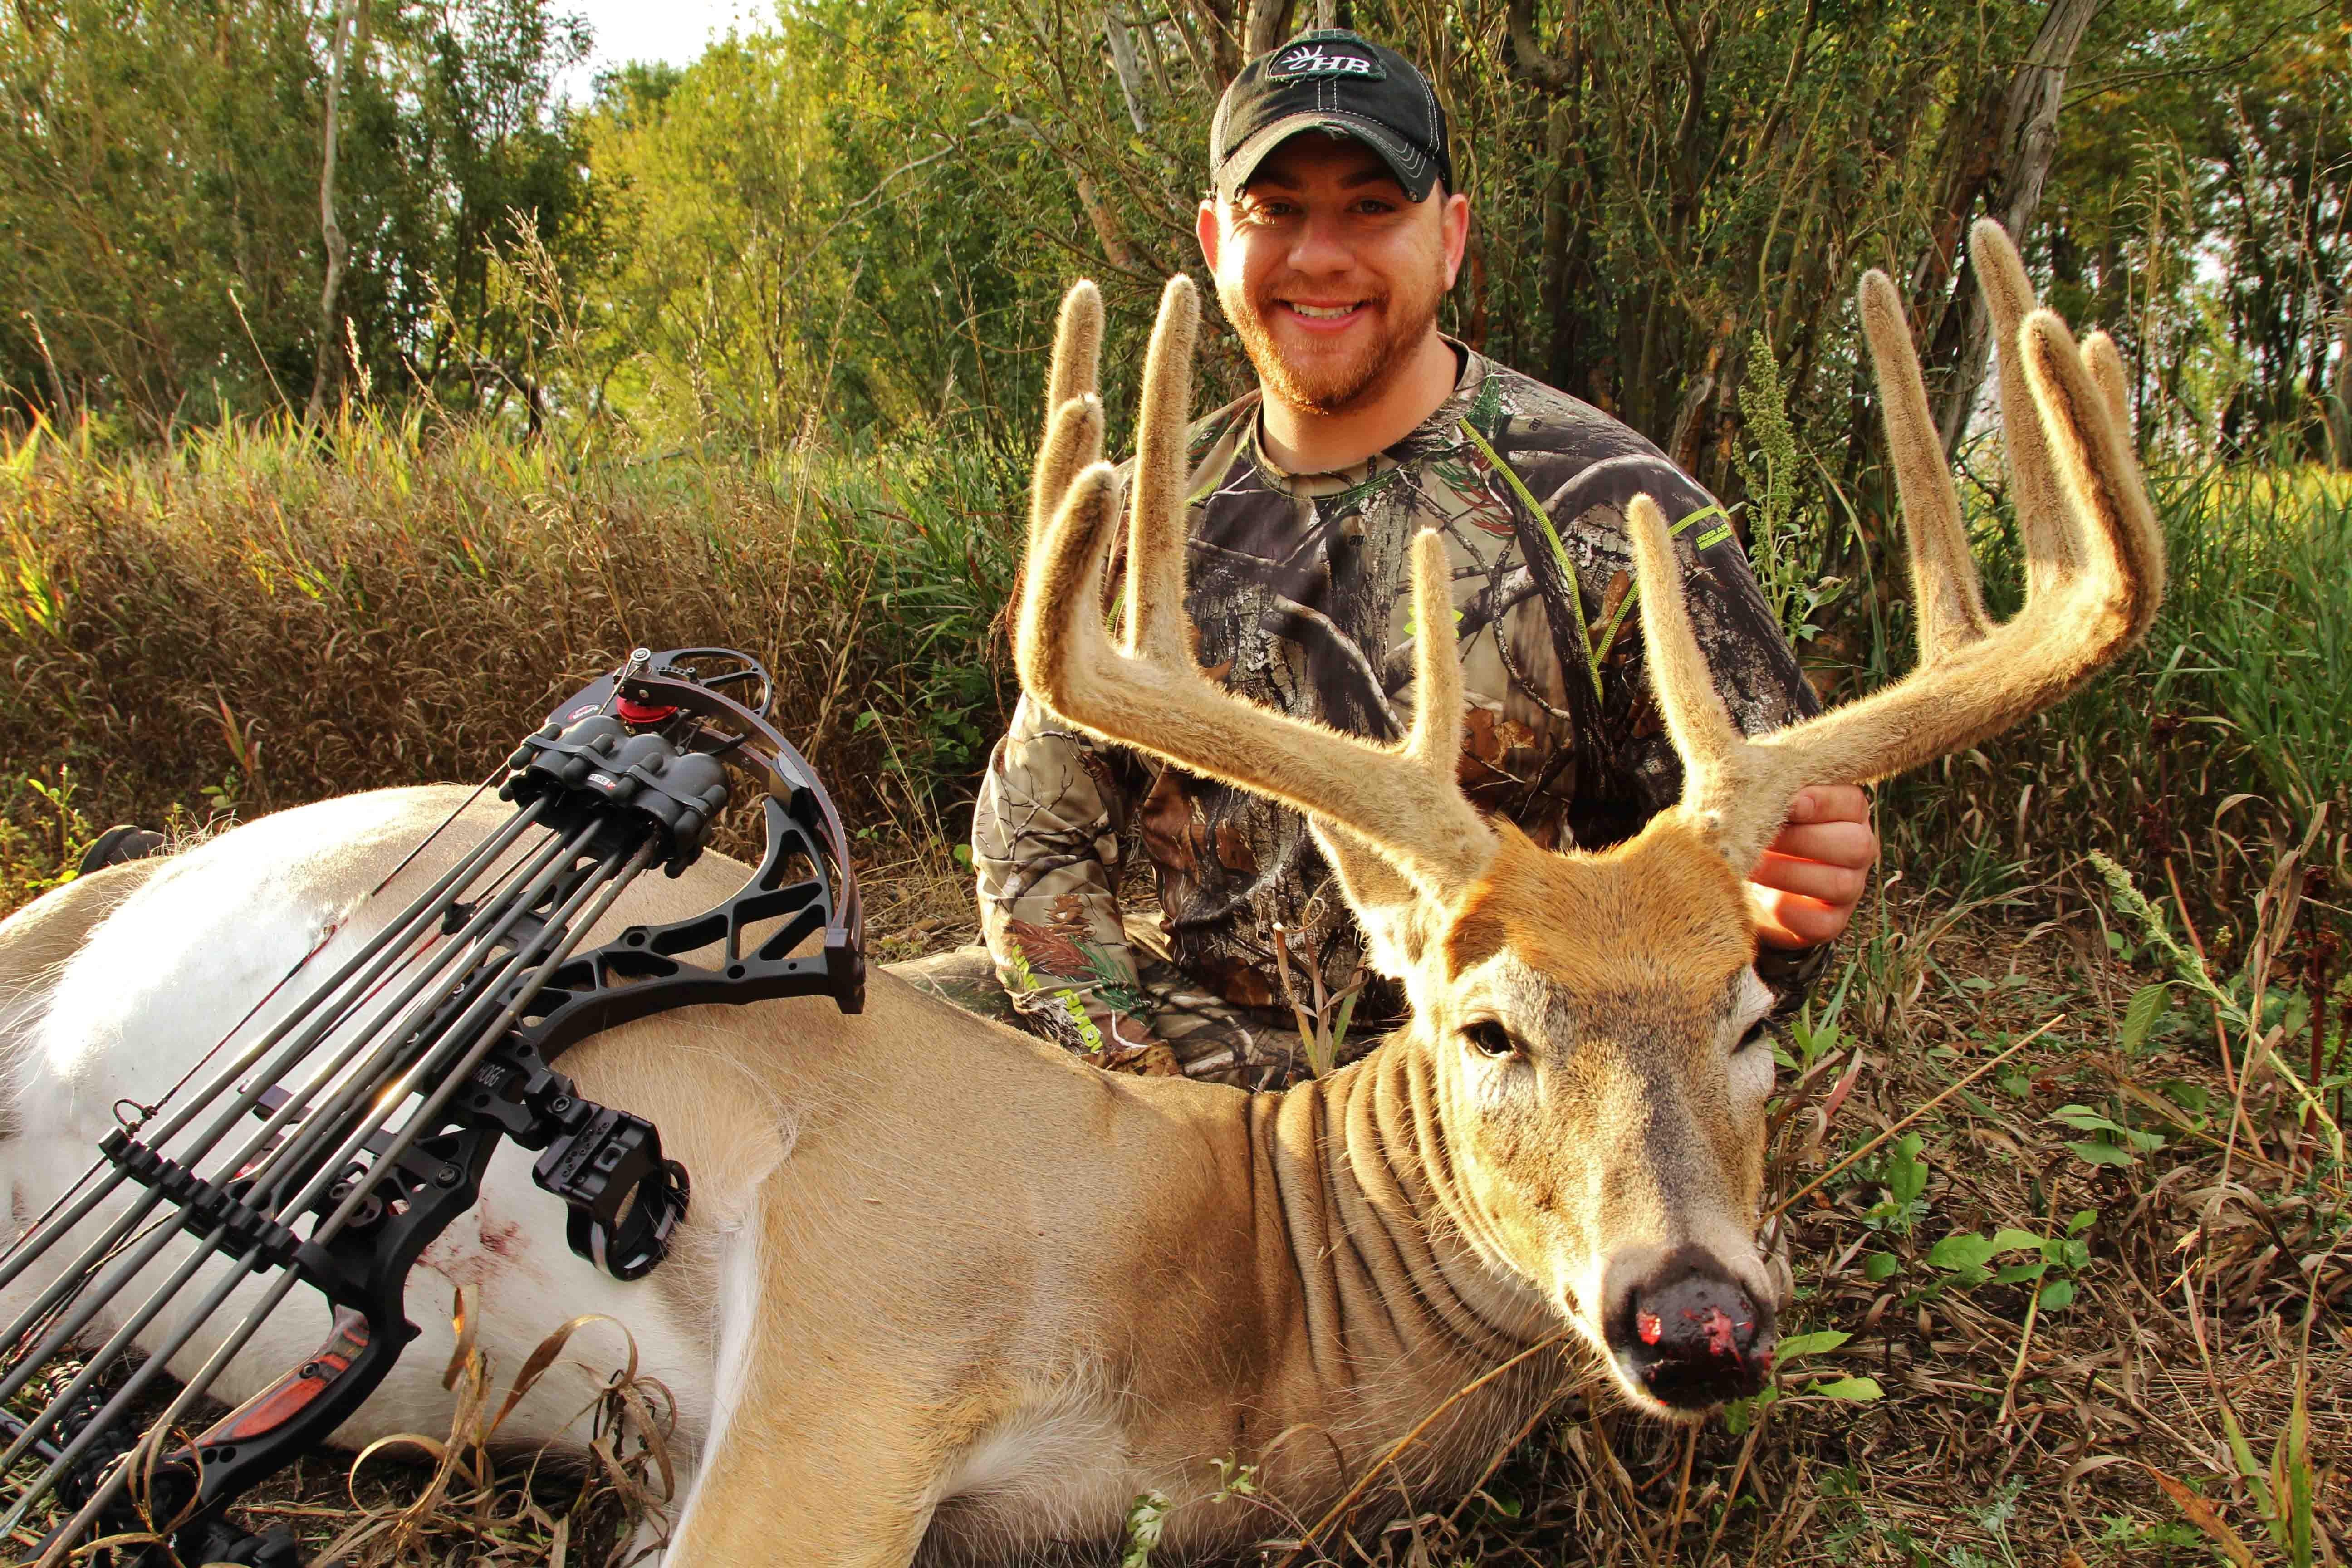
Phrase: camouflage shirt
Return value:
(1300, 587)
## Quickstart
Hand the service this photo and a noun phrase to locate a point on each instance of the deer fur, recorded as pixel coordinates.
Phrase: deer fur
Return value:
(947, 1295)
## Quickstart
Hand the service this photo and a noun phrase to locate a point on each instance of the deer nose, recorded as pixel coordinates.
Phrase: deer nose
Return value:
(1691, 1335)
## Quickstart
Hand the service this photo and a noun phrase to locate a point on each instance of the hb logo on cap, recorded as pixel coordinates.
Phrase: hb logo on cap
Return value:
(1311, 59)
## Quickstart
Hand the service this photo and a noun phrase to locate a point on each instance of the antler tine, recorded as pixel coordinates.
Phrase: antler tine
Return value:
(1402, 800)
(1078, 346)
(1156, 623)
(1945, 592)
(2034, 482)
(2107, 371)
(2123, 543)
(1073, 435)
(2092, 595)
(1714, 754)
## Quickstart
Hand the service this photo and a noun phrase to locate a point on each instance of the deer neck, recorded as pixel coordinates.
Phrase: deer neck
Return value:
(1367, 1201)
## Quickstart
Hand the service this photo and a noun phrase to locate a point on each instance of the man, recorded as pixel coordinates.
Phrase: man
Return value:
(1333, 231)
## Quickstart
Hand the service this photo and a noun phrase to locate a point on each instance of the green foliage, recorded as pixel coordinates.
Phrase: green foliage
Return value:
(2112, 1143)
(1147, 1520)
(2284, 1490)
(1904, 1175)
(2247, 1002)
(1786, 571)
(1968, 1258)
(160, 166)
(2277, 654)
(2140, 1017)
(1738, 1414)
(43, 833)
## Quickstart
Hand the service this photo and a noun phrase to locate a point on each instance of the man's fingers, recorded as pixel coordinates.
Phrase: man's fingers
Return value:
(1792, 919)
(1832, 884)
(1833, 843)
(1829, 803)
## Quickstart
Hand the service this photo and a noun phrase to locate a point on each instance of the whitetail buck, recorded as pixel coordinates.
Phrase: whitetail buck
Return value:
(947, 1294)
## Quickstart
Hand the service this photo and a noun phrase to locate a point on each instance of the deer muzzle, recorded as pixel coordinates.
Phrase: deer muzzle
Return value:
(1689, 1335)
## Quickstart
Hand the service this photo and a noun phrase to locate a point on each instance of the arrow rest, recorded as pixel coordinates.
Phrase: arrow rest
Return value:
(330, 1150)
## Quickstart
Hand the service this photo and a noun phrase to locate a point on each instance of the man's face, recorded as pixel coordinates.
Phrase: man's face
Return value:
(1329, 273)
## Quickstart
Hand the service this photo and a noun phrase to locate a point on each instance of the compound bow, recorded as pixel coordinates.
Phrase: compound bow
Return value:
(382, 1091)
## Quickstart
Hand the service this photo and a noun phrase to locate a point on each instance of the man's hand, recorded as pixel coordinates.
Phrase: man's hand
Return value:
(1811, 876)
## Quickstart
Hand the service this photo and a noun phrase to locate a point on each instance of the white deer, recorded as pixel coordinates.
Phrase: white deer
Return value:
(949, 1295)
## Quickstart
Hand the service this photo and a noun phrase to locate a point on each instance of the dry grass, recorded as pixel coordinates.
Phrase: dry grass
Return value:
(256, 619)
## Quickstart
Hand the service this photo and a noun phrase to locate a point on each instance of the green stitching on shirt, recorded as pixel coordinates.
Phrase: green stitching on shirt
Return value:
(1364, 489)
(1575, 587)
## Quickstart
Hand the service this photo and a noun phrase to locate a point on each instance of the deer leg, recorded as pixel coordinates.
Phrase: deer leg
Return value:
(825, 1483)
(816, 1458)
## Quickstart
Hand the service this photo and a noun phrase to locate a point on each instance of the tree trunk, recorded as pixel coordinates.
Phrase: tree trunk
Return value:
(1115, 246)
(2023, 156)
(1269, 25)
(1558, 77)
(327, 368)
(1689, 435)
(1559, 357)
(1123, 62)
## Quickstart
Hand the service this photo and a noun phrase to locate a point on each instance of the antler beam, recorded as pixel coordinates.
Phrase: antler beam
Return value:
(2095, 575)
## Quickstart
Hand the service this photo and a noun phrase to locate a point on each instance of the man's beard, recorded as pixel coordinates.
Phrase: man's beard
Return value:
(1330, 386)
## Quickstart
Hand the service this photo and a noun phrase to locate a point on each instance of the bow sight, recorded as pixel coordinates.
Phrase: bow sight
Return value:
(381, 1093)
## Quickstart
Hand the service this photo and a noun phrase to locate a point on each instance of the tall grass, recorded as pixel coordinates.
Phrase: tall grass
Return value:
(259, 616)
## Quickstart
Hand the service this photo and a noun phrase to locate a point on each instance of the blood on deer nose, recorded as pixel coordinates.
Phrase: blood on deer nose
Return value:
(1691, 1336)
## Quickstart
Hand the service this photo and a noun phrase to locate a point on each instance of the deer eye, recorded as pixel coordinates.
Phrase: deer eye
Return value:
(1489, 1038)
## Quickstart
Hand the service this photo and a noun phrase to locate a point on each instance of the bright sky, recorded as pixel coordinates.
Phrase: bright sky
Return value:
(671, 30)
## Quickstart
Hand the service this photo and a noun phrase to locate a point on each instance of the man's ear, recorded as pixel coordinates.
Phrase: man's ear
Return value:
(1456, 220)
(1211, 232)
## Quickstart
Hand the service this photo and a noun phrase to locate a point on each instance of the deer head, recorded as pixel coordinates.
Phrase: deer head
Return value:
(1587, 1032)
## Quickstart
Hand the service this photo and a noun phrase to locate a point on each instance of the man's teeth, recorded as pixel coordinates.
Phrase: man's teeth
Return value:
(1322, 312)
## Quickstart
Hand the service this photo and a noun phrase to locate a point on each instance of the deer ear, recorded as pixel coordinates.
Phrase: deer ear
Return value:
(1399, 919)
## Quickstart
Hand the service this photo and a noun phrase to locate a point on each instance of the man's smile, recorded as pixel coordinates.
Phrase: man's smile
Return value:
(1324, 316)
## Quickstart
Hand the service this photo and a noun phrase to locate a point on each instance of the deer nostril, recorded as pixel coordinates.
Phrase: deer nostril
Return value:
(1691, 1336)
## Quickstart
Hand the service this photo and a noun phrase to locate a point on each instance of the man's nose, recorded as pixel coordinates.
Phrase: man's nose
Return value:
(1321, 247)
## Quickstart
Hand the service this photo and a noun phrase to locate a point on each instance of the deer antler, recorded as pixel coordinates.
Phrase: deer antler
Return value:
(2095, 575)
(1145, 688)
(1071, 400)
